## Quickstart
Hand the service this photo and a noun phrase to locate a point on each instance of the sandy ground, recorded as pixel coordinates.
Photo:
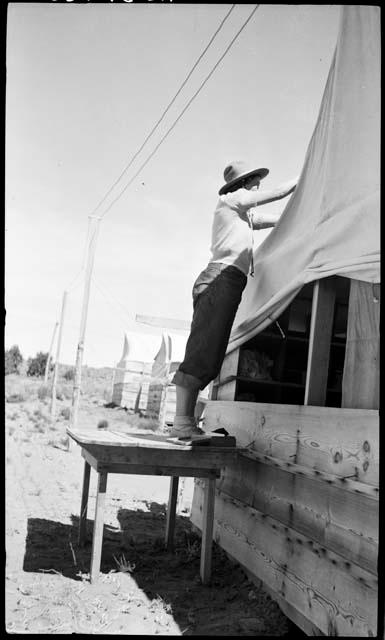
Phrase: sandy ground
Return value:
(142, 590)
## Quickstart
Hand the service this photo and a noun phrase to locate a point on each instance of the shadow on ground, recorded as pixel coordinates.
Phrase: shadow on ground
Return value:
(138, 545)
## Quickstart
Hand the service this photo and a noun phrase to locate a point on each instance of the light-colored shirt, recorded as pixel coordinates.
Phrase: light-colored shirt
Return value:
(232, 230)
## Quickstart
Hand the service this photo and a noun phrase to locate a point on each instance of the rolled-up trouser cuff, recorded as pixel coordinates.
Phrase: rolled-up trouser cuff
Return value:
(186, 380)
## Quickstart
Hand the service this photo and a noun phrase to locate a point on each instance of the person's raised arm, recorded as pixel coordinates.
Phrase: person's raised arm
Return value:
(264, 220)
(245, 199)
(282, 191)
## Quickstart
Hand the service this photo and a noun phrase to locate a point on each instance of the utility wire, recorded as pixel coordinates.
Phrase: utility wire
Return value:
(169, 130)
(181, 114)
(166, 110)
(109, 297)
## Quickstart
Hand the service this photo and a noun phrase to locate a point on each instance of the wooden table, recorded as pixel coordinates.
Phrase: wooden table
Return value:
(149, 454)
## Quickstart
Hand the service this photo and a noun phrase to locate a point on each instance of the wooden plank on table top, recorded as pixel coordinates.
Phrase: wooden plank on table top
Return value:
(96, 437)
(116, 438)
(154, 441)
(212, 441)
(146, 440)
(165, 441)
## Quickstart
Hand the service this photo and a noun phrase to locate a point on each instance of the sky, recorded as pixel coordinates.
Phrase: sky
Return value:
(86, 83)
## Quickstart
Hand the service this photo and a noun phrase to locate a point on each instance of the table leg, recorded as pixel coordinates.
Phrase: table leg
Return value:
(84, 504)
(171, 511)
(207, 529)
(97, 538)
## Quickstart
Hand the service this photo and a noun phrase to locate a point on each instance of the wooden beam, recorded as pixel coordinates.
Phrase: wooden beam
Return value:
(207, 529)
(171, 512)
(220, 389)
(229, 365)
(92, 461)
(97, 538)
(161, 470)
(321, 327)
(164, 323)
(361, 377)
(198, 458)
(152, 470)
(84, 504)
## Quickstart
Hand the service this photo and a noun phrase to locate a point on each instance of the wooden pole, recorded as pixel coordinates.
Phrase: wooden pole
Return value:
(83, 323)
(50, 354)
(321, 326)
(53, 399)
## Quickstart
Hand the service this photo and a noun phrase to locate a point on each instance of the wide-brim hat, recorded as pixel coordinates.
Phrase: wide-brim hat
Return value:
(237, 171)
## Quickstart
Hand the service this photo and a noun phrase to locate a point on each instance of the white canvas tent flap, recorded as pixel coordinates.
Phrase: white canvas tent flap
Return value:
(139, 347)
(331, 225)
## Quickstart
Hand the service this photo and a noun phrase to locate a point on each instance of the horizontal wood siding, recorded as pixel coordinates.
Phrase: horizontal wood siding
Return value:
(339, 598)
(344, 442)
(313, 507)
(298, 508)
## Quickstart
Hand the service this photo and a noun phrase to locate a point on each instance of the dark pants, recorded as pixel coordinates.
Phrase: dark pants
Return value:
(217, 293)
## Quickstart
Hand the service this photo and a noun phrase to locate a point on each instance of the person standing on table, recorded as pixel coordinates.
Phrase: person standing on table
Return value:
(218, 289)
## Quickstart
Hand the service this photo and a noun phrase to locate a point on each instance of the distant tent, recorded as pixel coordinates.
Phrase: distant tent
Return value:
(331, 225)
(140, 347)
(170, 355)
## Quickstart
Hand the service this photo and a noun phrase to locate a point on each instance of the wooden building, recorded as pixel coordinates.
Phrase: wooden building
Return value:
(299, 509)
(299, 386)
